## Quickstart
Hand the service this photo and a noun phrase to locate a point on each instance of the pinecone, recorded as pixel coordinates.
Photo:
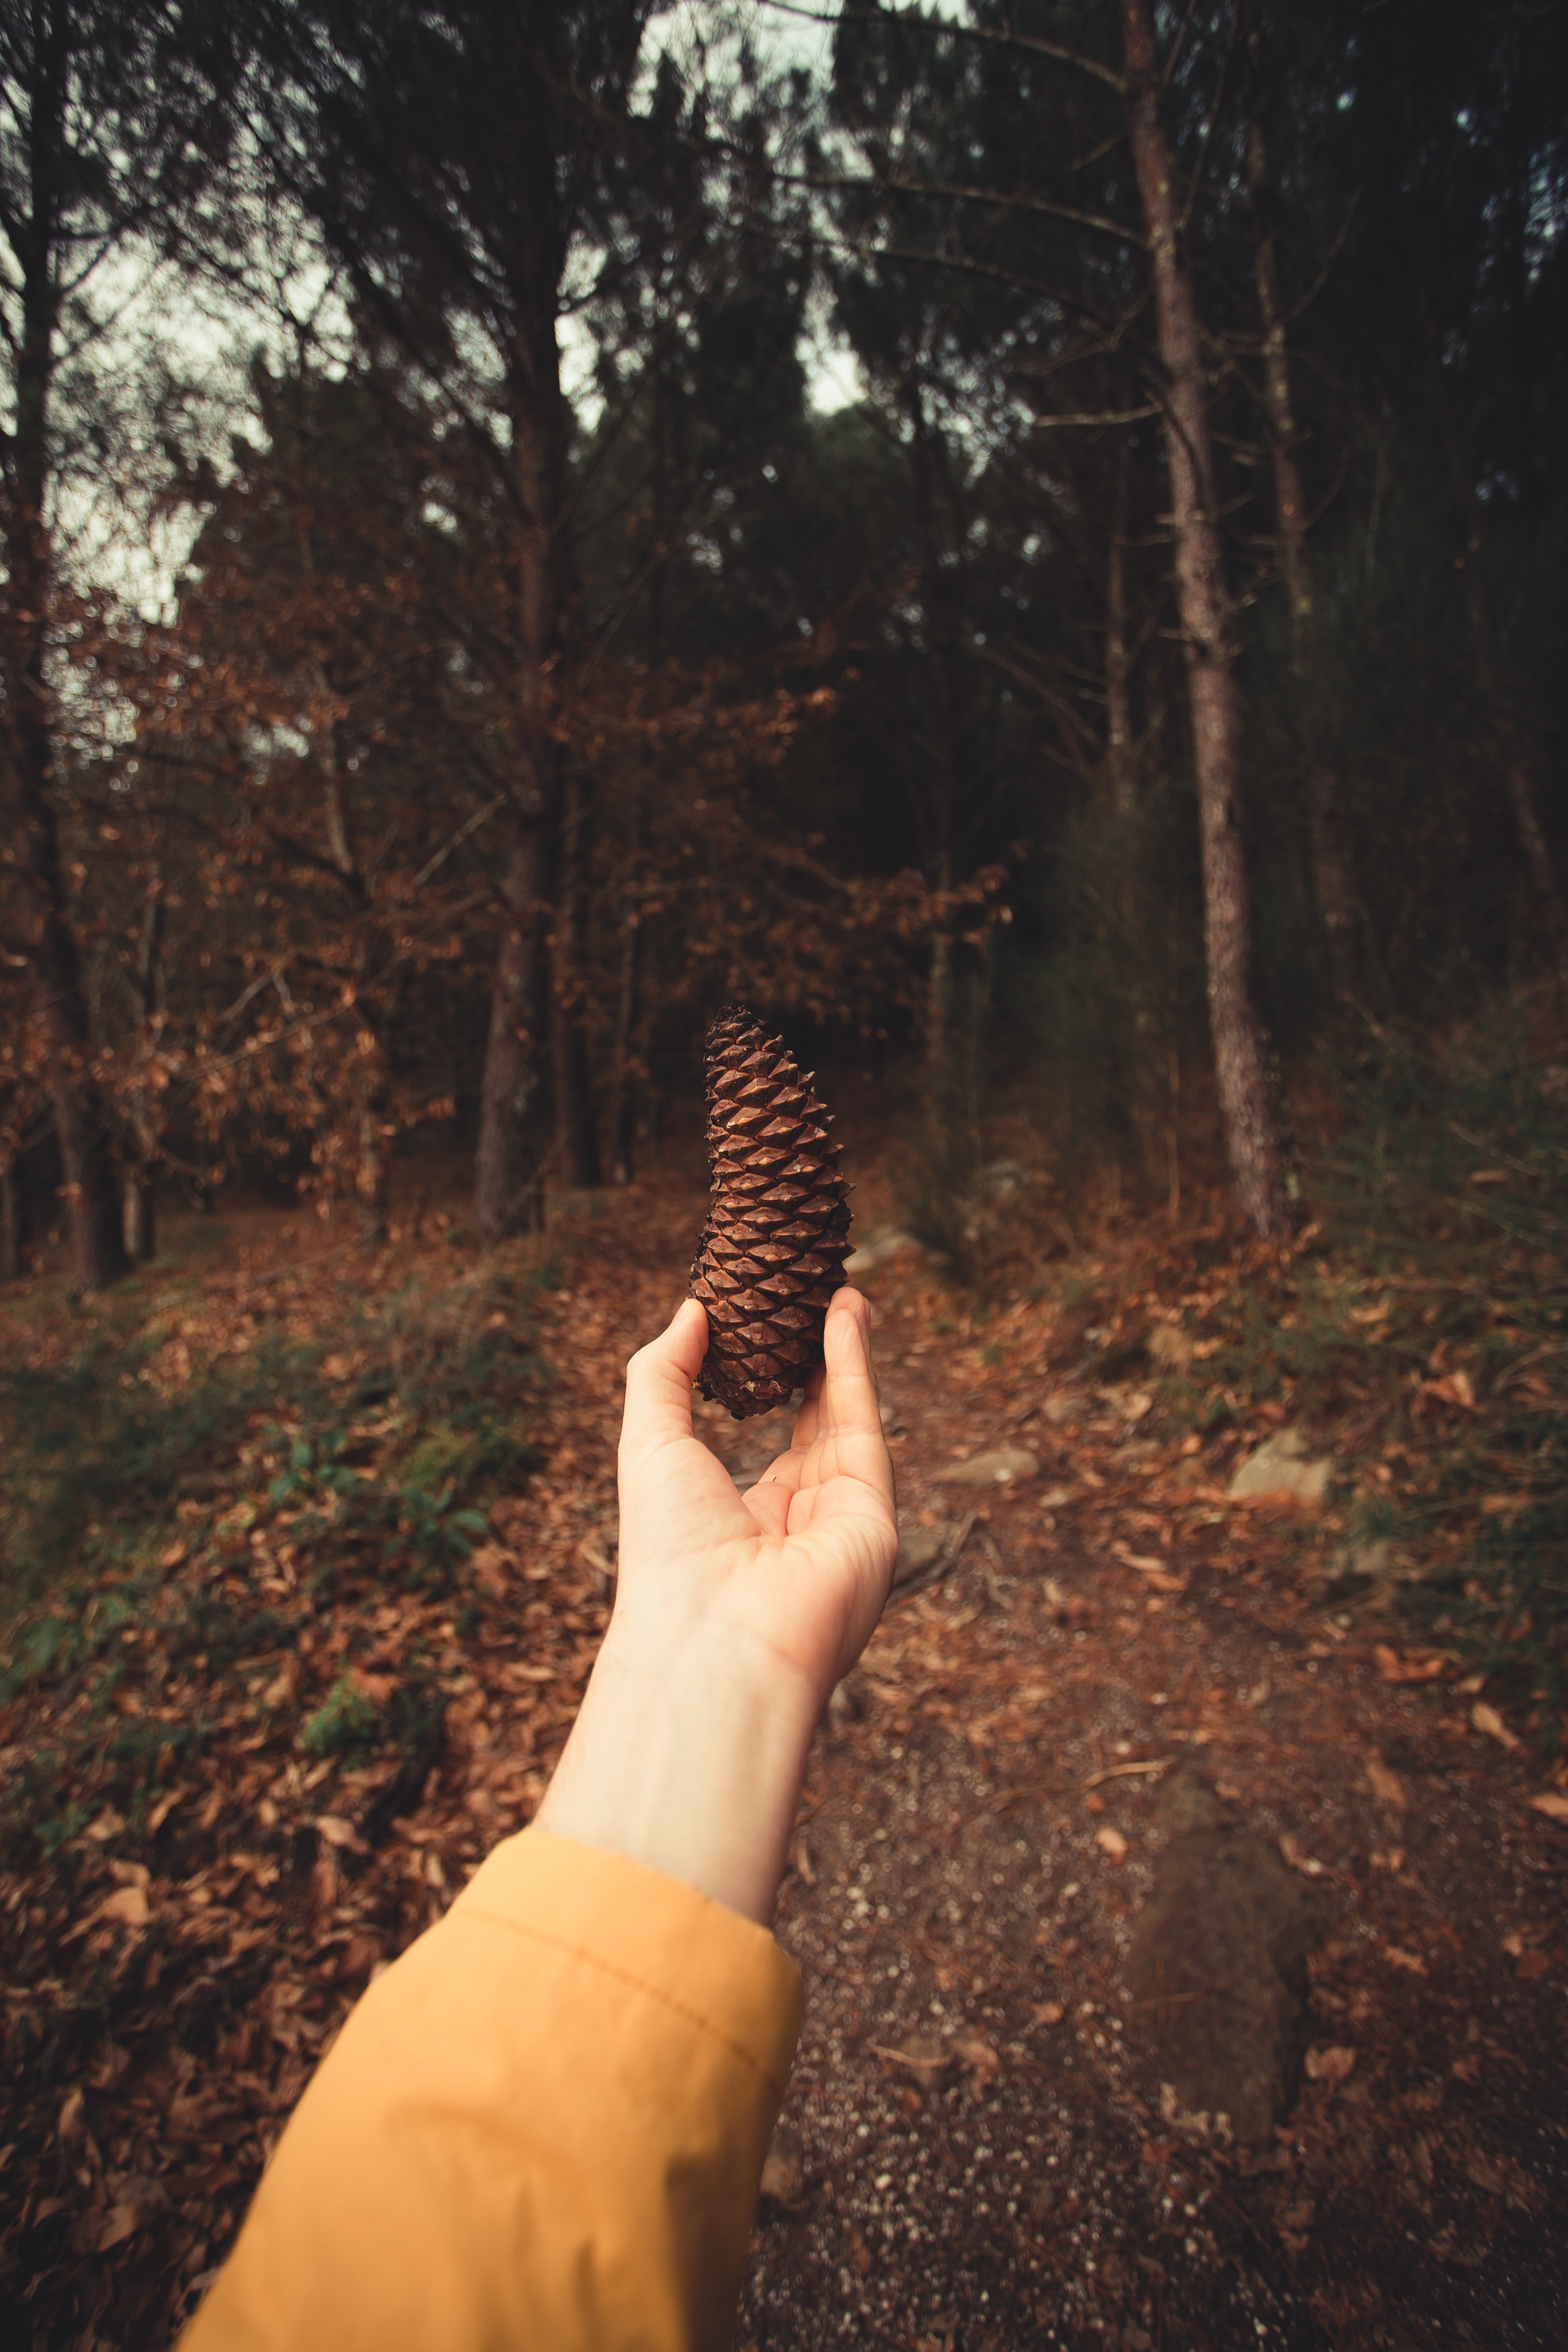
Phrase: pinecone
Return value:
(772, 1252)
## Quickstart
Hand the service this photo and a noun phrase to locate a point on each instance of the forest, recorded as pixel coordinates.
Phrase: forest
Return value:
(1028, 545)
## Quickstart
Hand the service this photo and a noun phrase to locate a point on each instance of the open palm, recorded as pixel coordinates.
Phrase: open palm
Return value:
(800, 1564)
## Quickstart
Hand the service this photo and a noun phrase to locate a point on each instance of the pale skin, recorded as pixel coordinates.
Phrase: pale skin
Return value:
(734, 1615)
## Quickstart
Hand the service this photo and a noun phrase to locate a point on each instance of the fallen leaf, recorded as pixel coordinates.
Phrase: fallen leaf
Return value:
(1290, 1848)
(108, 1824)
(161, 1811)
(337, 1831)
(925, 2057)
(1130, 1772)
(1049, 2012)
(71, 2112)
(1384, 1784)
(1112, 1842)
(978, 2053)
(1331, 2066)
(1401, 1959)
(1487, 1718)
(1551, 1803)
(801, 1856)
(121, 2221)
(128, 1905)
(1534, 1963)
(1392, 1668)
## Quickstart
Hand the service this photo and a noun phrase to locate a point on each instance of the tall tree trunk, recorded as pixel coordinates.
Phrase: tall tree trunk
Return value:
(942, 626)
(576, 1142)
(1119, 768)
(141, 1125)
(1326, 813)
(1244, 1071)
(510, 1163)
(14, 1233)
(91, 1191)
(510, 1160)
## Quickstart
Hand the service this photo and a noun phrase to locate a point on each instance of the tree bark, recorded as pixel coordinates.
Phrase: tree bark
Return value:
(1120, 767)
(942, 628)
(1244, 1071)
(91, 1191)
(576, 1141)
(14, 1234)
(509, 1164)
(1332, 880)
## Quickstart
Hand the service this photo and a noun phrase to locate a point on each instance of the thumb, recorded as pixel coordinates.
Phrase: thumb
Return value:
(659, 1382)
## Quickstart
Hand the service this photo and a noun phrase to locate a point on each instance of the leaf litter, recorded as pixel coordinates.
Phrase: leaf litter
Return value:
(195, 1891)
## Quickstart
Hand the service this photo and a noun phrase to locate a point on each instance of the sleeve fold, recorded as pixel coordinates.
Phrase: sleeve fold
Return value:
(541, 2130)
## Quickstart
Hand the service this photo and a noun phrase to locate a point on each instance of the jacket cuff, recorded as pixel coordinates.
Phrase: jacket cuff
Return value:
(716, 1970)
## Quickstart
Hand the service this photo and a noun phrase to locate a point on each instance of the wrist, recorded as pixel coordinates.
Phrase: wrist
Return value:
(688, 1755)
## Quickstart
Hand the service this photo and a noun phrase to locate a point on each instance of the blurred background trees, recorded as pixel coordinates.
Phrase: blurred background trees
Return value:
(712, 502)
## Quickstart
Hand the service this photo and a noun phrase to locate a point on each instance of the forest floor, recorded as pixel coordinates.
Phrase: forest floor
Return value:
(1183, 1936)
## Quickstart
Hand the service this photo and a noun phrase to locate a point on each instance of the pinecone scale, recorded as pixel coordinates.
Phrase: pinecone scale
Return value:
(772, 1253)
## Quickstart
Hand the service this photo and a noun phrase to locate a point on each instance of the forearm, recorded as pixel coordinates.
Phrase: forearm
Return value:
(687, 1756)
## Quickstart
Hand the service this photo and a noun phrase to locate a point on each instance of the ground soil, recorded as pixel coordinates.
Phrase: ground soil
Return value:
(1175, 1976)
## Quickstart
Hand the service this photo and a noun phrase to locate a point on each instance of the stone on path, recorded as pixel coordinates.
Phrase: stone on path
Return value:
(1218, 1971)
(1283, 1466)
(1004, 1465)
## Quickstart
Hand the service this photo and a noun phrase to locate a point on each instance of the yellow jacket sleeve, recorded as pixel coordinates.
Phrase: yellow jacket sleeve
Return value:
(541, 2130)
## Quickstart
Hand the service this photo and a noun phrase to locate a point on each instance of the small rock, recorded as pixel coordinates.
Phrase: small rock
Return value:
(1170, 1347)
(1283, 1466)
(1002, 1466)
(887, 1241)
(918, 1550)
(784, 2172)
(1060, 1410)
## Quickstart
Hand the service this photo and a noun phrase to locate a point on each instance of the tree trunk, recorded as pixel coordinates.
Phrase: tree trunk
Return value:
(509, 1162)
(941, 618)
(1332, 880)
(91, 1191)
(139, 1216)
(1120, 772)
(621, 1124)
(1245, 1072)
(13, 1221)
(576, 1142)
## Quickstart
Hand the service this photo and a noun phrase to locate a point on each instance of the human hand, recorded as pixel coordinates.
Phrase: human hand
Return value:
(734, 1617)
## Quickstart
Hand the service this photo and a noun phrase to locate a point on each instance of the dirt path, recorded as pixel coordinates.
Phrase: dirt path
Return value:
(1325, 1898)
(1109, 1831)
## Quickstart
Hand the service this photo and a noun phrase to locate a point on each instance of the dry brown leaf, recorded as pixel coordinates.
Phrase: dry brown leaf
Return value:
(978, 2053)
(1403, 1960)
(71, 2112)
(128, 1906)
(1049, 2012)
(1384, 1784)
(1487, 1718)
(1112, 1842)
(1330, 2065)
(1552, 1803)
(925, 2057)
(1534, 1963)
(121, 2221)
(337, 1831)
(1392, 1668)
